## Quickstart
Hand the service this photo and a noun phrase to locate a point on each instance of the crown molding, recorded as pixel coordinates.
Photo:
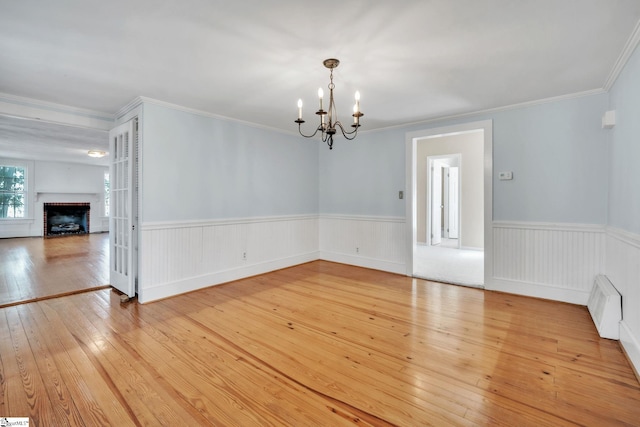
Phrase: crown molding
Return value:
(130, 106)
(494, 110)
(143, 99)
(626, 53)
(52, 106)
(35, 109)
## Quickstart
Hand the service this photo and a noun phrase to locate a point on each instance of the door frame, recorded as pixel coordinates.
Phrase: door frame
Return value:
(447, 205)
(432, 163)
(411, 142)
(431, 160)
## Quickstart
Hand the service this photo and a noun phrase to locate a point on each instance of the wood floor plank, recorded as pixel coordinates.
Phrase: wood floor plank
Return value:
(96, 402)
(147, 403)
(66, 412)
(311, 358)
(313, 372)
(40, 407)
(168, 361)
(418, 357)
(140, 377)
(382, 328)
(13, 399)
(317, 344)
(33, 268)
(232, 360)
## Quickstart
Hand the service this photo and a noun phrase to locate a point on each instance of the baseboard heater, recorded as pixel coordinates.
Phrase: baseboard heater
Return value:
(605, 306)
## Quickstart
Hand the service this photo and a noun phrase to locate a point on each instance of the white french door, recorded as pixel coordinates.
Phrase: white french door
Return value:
(122, 222)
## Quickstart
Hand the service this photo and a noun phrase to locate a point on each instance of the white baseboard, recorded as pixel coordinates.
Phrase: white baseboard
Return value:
(631, 347)
(539, 291)
(190, 284)
(375, 264)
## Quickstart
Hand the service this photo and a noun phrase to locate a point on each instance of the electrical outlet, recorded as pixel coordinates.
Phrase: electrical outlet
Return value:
(357, 250)
(244, 256)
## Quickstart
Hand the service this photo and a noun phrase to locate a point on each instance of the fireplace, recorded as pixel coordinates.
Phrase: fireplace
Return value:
(63, 219)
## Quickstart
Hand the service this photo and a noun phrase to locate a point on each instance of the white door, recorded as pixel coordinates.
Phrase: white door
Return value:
(436, 204)
(454, 203)
(122, 142)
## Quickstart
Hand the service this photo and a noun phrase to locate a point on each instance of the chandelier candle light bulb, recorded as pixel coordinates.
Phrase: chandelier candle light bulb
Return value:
(330, 128)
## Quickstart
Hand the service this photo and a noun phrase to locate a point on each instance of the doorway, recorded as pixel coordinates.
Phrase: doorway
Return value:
(444, 246)
(443, 200)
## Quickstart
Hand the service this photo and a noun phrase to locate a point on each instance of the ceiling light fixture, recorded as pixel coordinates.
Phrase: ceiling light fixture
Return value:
(96, 153)
(329, 122)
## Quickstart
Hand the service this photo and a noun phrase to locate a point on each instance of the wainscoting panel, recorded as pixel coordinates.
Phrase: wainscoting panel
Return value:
(181, 257)
(623, 270)
(372, 242)
(20, 228)
(554, 261)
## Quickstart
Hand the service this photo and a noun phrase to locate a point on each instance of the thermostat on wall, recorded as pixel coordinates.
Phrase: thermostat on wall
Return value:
(505, 176)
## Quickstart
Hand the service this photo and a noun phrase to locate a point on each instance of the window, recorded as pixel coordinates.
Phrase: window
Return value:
(107, 187)
(13, 191)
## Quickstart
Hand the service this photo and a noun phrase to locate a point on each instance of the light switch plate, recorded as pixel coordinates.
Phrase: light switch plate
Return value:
(505, 176)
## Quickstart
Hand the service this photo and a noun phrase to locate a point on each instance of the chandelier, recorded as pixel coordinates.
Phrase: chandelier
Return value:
(329, 123)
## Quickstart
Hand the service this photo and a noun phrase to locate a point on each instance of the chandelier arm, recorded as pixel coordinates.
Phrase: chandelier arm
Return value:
(346, 134)
(307, 136)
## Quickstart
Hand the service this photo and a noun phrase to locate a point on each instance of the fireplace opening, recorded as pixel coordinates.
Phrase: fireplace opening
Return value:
(61, 219)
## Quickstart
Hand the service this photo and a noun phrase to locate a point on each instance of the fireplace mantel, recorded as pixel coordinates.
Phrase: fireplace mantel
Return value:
(96, 196)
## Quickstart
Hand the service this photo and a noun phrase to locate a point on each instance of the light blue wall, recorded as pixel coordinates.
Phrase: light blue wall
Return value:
(200, 168)
(363, 176)
(624, 141)
(556, 151)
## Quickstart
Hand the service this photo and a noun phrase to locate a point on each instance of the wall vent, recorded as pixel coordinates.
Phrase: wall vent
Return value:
(605, 306)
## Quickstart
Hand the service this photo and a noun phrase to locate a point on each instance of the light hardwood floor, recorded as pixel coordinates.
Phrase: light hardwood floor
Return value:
(33, 268)
(317, 344)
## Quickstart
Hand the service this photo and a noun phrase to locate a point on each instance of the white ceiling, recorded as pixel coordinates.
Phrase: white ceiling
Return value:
(38, 140)
(412, 60)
